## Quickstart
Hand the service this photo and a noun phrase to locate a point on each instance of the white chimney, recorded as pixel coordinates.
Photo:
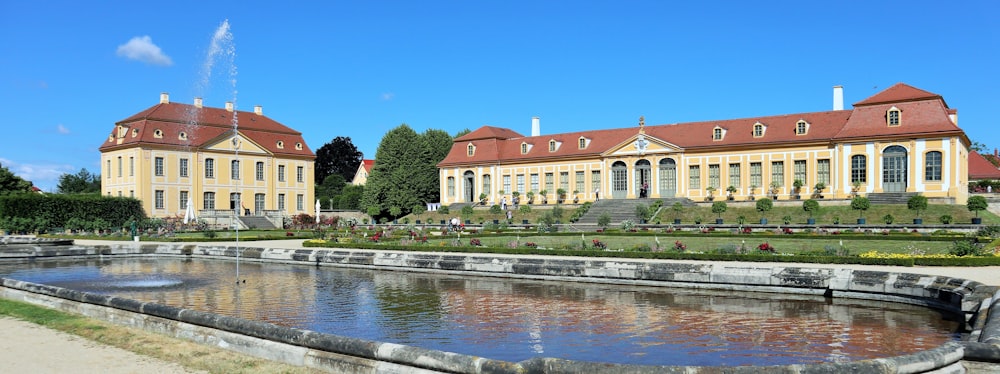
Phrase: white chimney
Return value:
(536, 127)
(259, 110)
(954, 118)
(197, 102)
(838, 97)
(229, 106)
(164, 98)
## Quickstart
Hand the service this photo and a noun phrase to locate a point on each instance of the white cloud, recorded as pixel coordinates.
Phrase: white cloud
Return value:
(44, 176)
(388, 96)
(62, 129)
(141, 48)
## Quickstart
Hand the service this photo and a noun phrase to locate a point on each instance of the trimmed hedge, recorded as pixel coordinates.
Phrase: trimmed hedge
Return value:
(37, 212)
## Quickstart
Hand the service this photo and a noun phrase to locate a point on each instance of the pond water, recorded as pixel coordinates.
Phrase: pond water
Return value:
(515, 320)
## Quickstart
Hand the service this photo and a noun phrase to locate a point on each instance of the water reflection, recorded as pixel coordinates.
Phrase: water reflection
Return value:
(515, 320)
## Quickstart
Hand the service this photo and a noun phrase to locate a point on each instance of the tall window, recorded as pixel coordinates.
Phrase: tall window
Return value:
(159, 199)
(131, 166)
(184, 168)
(281, 173)
(487, 184)
(564, 180)
(758, 130)
(534, 182)
(582, 143)
(298, 202)
(595, 180)
(823, 171)
(756, 174)
(184, 200)
(893, 117)
(107, 171)
(520, 183)
(717, 134)
(734, 175)
(119, 166)
(299, 171)
(933, 168)
(800, 127)
(694, 177)
(778, 173)
(859, 169)
(524, 148)
(506, 184)
(209, 168)
(471, 150)
(579, 181)
(548, 182)
(800, 170)
(281, 201)
(235, 174)
(713, 175)
(552, 145)
(451, 186)
(157, 167)
(209, 200)
(259, 171)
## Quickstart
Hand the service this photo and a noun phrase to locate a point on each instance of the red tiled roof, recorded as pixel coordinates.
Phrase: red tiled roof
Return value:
(980, 168)
(897, 93)
(203, 126)
(926, 116)
(368, 164)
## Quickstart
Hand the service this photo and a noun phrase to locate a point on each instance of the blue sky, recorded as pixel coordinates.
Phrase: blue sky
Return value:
(69, 69)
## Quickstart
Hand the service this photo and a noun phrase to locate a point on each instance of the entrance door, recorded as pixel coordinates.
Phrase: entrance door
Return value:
(234, 203)
(642, 178)
(894, 169)
(619, 180)
(258, 204)
(470, 184)
(668, 177)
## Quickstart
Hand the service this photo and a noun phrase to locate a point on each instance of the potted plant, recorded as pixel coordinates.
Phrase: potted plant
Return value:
(917, 203)
(711, 193)
(856, 188)
(819, 187)
(763, 206)
(810, 206)
(678, 209)
(482, 199)
(888, 218)
(753, 190)
(576, 196)
(515, 198)
(719, 207)
(544, 196)
(787, 219)
(975, 204)
(560, 195)
(860, 204)
(531, 197)
(798, 188)
(731, 190)
(774, 190)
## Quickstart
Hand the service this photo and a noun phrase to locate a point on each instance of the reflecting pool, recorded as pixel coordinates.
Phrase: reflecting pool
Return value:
(515, 320)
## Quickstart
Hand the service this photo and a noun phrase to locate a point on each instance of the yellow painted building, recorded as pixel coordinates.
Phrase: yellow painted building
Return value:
(172, 153)
(902, 139)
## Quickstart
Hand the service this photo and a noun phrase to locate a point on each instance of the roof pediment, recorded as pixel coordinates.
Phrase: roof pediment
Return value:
(227, 144)
(899, 92)
(640, 144)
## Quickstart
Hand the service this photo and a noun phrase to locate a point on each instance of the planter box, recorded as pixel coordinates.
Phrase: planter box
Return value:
(763, 221)
(677, 221)
(810, 221)
(861, 221)
(918, 221)
(977, 220)
(718, 221)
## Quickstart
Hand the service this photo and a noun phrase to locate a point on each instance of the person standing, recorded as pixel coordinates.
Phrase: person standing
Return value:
(597, 194)
(503, 203)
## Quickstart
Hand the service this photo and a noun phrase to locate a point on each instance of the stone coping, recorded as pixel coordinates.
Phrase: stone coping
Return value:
(972, 299)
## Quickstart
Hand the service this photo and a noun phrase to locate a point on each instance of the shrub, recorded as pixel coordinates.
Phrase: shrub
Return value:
(719, 207)
(810, 206)
(442, 210)
(861, 204)
(963, 248)
(495, 209)
(888, 218)
(917, 203)
(945, 219)
(524, 209)
(467, 211)
(604, 220)
(558, 211)
(977, 203)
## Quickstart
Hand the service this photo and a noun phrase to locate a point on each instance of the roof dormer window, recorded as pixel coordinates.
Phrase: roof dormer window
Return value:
(718, 133)
(554, 145)
(281, 144)
(758, 130)
(582, 143)
(157, 133)
(471, 150)
(298, 146)
(893, 116)
(801, 127)
(182, 136)
(135, 132)
(525, 148)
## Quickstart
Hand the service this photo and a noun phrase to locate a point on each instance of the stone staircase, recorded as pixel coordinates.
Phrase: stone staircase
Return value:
(256, 222)
(623, 209)
(886, 198)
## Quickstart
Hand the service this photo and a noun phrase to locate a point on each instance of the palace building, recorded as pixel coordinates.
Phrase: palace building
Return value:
(172, 153)
(902, 139)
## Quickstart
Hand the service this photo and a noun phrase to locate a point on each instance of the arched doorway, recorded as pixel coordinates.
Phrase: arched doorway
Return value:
(469, 186)
(894, 169)
(642, 178)
(668, 177)
(619, 180)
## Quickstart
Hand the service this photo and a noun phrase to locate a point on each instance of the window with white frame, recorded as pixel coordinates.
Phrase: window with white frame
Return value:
(714, 175)
(799, 169)
(579, 181)
(281, 202)
(932, 171)
(520, 183)
(183, 168)
(778, 173)
(734, 175)
(281, 173)
(892, 116)
(451, 186)
(259, 170)
(157, 167)
(299, 174)
(823, 171)
(859, 169)
(159, 196)
(209, 200)
(534, 182)
(235, 170)
(119, 166)
(183, 199)
(209, 168)
(756, 174)
(595, 180)
(487, 184)
(299, 202)
(694, 177)
(549, 182)
(506, 184)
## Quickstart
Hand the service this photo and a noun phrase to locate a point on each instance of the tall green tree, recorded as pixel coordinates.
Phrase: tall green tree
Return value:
(10, 183)
(436, 145)
(81, 182)
(339, 156)
(394, 177)
(330, 188)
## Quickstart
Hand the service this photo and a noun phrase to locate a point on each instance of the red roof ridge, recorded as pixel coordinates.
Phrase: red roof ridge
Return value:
(899, 92)
(490, 132)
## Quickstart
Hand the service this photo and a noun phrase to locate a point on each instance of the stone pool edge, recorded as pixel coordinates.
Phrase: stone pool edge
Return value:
(344, 354)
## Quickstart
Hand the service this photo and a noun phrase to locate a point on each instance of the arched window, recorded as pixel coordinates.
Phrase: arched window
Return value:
(471, 150)
(801, 127)
(892, 116)
(524, 148)
(859, 169)
(932, 170)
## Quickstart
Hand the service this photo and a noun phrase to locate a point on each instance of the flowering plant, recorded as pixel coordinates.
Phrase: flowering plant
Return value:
(680, 247)
(747, 230)
(599, 244)
(475, 242)
(531, 245)
(787, 231)
(766, 247)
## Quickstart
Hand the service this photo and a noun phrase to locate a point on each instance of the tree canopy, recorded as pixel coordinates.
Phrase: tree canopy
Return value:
(405, 172)
(339, 156)
(10, 183)
(81, 182)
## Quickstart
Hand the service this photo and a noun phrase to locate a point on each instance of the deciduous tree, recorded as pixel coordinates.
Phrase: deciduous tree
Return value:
(10, 183)
(339, 156)
(81, 182)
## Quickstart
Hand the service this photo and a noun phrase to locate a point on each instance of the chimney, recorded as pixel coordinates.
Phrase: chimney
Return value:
(953, 116)
(259, 110)
(164, 98)
(838, 97)
(536, 127)
(229, 106)
(197, 102)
